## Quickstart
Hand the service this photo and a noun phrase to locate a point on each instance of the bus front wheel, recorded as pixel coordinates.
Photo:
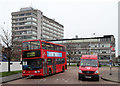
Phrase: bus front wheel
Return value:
(63, 69)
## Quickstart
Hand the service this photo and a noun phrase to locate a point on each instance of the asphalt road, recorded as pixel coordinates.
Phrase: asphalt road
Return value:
(70, 76)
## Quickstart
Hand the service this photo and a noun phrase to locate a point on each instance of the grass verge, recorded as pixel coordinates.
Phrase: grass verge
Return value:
(3, 74)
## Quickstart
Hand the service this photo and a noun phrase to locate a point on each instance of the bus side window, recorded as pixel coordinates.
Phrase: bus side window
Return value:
(55, 47)
(35, 44)
(47, 46)
(43, 45)
(52, 47)
(63, 61)
(59, 61)
(49, 61)
(58, 48)
(56, 61)
(63, 49)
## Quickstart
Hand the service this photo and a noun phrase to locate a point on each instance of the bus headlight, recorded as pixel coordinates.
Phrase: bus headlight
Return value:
(38, 71)
(35, 71)
(80, 71)
(96, 72)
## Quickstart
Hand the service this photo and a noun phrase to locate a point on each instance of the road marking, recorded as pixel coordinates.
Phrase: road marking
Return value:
(44, 79)
(66, 81)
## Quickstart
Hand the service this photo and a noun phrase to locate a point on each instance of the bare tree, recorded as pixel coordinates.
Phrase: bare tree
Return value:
(8, 41)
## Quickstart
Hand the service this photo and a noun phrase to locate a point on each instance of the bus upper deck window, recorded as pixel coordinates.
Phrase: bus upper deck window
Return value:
(35, 45)
(26, 46)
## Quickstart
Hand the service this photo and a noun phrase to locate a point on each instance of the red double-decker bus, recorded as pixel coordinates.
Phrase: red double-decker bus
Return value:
(41, 58)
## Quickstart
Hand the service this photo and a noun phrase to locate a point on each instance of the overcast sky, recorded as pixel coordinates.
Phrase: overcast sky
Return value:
(79, 17)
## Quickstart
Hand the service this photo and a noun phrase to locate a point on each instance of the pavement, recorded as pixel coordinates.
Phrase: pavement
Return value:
(10, 78)
(105, 74)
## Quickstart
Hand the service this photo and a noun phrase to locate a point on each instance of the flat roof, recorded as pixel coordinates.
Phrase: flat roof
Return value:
(105, 36)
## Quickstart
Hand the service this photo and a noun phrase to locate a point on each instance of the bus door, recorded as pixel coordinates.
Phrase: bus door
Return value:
(45, 66)
(54, 66)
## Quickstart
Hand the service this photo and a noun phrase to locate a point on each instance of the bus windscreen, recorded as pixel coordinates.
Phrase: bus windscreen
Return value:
(32, 64)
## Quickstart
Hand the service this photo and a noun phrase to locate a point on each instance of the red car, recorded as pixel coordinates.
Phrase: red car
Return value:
(88, 67)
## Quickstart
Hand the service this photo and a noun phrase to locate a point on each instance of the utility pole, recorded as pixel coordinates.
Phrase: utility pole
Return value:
(110, 62)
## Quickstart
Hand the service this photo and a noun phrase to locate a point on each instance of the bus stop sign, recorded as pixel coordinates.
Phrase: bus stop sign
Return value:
(110, 62)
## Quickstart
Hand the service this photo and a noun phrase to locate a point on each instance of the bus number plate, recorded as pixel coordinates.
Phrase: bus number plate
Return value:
(31, 75)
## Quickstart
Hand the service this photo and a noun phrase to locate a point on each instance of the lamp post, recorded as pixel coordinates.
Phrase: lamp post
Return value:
(68, 50)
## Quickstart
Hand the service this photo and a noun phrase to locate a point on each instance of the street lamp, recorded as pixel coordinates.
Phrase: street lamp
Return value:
(68, 50)
(110, 62)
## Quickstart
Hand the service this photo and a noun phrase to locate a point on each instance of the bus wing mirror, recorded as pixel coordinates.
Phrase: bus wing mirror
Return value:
(11, 63)
(21, 63)
(99, 65)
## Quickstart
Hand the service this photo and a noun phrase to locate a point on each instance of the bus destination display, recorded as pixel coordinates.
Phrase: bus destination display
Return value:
(29, 54)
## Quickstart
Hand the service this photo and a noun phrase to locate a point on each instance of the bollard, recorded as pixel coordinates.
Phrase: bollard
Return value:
(110, 69)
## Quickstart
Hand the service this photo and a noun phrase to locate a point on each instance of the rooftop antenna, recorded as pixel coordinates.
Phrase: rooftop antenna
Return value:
(31, 5)
(76, 36)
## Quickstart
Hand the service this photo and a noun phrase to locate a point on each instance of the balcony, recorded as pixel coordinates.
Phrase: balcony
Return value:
(25, 35)
(14, 22)
(24, 25)
(26, 29)
(52, 28)
(18, 17)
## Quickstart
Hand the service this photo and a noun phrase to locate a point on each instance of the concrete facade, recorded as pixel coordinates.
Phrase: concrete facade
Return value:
(0, 52)
(103, 47)
(30, 23)
(119, 29)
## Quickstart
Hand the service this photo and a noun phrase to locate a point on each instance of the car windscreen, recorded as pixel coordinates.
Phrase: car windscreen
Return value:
(32, 64)
(89, 62)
